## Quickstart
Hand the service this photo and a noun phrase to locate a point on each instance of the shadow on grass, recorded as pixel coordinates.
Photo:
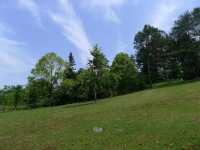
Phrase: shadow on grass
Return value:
(173, 83)
(11, 109)
(74, 105)
(4, 109)
(78, 104)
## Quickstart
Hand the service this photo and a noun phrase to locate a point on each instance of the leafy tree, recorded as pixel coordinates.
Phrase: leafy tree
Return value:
(11, 96)
(124, 70)
(132, 57)
(2, 93)
(17, 95)
(31, 97)
(109, 83)
(186, 34)
(97, 65)
(37, 93)
(2, 99)
(49, 69)
(69, 71)
(151, 45)
(84, 85)
(172, 65)
(66, 93)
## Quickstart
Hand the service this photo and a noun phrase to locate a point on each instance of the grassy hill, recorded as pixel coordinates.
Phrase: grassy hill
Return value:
(158, 119)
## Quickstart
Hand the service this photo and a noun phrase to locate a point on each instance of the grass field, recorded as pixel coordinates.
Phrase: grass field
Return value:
(166, 118)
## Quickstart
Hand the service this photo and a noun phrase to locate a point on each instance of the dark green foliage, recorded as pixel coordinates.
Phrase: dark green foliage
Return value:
(110, 83)
(17, 95)
(12, 97)
(66, 92)
(84, 85)
(69, 71)
(97, 65)
(124, 70)
(173, 66)
(46, 76)
(151, 45)
(186, 34)
(38, 93)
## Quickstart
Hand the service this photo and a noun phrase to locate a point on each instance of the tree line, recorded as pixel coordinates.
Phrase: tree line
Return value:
(159, 57)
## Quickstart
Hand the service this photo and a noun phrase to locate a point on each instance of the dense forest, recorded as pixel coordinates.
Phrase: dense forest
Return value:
(159, 57)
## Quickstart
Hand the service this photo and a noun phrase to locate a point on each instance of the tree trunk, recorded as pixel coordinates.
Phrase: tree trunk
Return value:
(149, 73)
(95, 94)
(111, 93)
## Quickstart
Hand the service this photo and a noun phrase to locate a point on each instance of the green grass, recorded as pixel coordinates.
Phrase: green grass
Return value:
(166, 118)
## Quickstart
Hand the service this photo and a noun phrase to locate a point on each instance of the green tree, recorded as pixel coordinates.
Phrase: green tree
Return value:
(11, 96)
(37, 93)
(84, 85)
(66, 93)
(97, 65)
(186, 34)
(69, 71)
(31, 95)
(124, 70)
(17, 95)
(151, 45)
(172, 65)
(49, 69)
(110, 83)
(2, 99)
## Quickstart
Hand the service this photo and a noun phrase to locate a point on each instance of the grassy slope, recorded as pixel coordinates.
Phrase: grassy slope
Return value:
(165, 118)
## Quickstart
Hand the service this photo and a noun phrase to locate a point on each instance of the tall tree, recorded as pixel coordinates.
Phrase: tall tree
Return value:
(85, 85)
(172, 65)
(49, 68)
(110, 83)
(17, 95)
(38, 93)
(124, 70)
(69, 71)
(186, 34)
(97, 65)
(150, 44)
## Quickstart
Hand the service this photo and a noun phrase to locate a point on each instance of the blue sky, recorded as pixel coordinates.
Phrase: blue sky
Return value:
(31, 28)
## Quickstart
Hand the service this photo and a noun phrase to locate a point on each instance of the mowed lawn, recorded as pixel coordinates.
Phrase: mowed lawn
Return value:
(166, 118)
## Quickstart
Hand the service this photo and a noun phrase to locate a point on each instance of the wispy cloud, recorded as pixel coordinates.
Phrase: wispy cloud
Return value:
(72, 28)
(165, 13)
(68, 20)
(107, 7)
(33, 8)
(11, 56)
(15, 63)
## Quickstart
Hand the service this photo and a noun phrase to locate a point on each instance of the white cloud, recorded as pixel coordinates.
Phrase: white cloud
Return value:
(33, 8)
(15, 64)
(72, 28)
(165, 13)
(107, 7)
(11, 56)
(65, 16)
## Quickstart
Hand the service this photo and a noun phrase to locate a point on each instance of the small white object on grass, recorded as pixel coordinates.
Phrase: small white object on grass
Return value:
(98, 129)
